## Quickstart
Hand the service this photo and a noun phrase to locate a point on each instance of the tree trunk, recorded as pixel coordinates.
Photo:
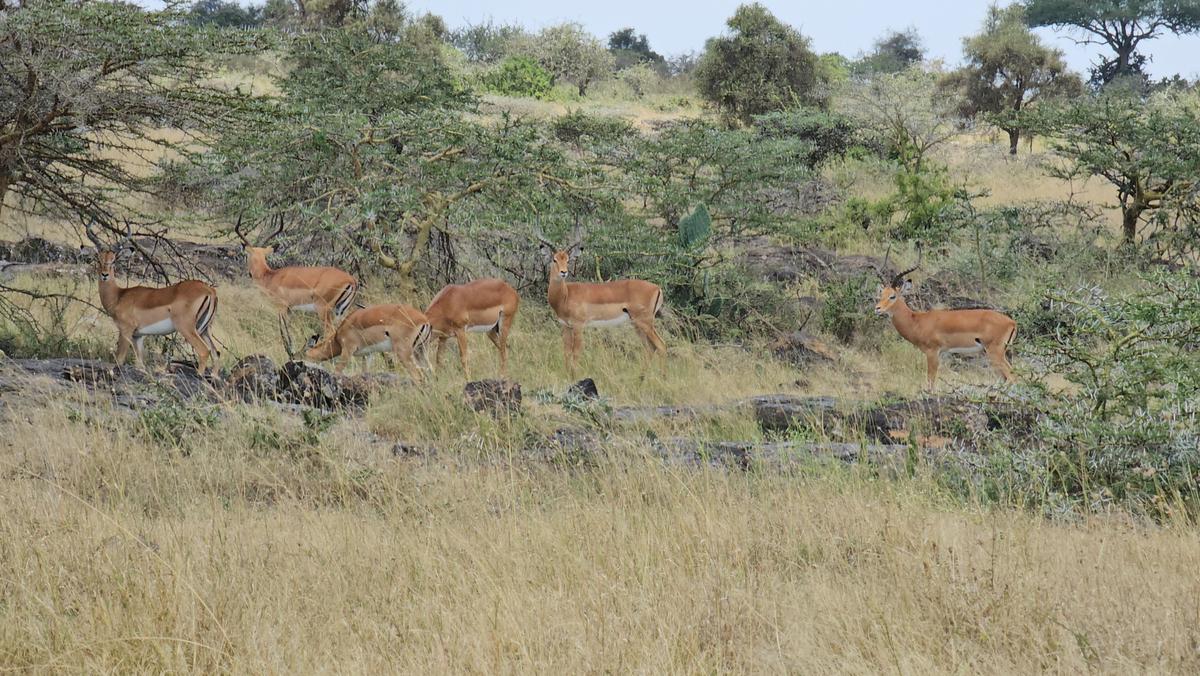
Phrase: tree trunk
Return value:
(1129, 223)
(1014, 137)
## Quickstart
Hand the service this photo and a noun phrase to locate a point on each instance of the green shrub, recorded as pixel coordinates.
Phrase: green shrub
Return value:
(844, 313)
(518, 76)
(577, 125)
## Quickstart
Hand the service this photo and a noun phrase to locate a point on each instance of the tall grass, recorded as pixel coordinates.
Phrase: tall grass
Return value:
(124, 556)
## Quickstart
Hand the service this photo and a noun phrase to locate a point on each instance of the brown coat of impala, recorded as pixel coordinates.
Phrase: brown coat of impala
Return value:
(579, 305)
(187, 308)
(327, 291)
(940, 331)
(482, 306)
(400, 330)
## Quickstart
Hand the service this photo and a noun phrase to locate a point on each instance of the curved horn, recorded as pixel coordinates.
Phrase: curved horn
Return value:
(899, 278)
(539, 236)
(128, 235)
(278, 230)
(882, 271)
(576, 236)
(91, 234)
(237, 230)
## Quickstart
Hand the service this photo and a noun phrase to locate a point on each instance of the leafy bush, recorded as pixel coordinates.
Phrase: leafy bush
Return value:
(824, 135)
(844, 314)
(577, 125)
(762, 65)
(518, 76)
(1126, 431)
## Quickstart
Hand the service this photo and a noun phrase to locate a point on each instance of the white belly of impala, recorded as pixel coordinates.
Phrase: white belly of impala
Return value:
(482, 328)
(382, 346)
(159, 328)
(964, 350)
(615, 321)
(310, 307)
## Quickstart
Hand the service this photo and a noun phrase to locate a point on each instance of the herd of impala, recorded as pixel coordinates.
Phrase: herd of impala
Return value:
(486, 306)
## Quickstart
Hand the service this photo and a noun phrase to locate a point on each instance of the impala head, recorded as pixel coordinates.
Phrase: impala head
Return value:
(261, 249)
(106, 255)
(560, 259)
(891, 291)
(322, 350)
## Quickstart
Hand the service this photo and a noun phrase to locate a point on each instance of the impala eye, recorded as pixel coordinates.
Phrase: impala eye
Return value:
(892, 297)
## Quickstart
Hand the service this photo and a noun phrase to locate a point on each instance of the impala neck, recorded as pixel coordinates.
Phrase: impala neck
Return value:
(110, 294)
(259, 269)
(558, 289)
(326, 350)
(904, 319)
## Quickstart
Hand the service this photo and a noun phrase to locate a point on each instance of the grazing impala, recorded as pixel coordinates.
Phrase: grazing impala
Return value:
(482, 306)
(578, 304)
(939, 331)
(399, 329)
(327, 291)
(139, 311)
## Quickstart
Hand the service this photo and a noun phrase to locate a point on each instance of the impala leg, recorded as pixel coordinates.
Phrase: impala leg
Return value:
(441, 345)
(403, 352)
(500, 339)
(124, 342)
(461, 337)
(139, 351)
(576, 348)
(285, 332)
(199, 346)
(568, 339)
(932, 359)
(1000, 362)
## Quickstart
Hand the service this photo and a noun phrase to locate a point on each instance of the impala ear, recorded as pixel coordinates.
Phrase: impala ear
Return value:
(907, 286)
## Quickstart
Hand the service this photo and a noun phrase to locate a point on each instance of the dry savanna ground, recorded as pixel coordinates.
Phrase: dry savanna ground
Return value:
(243, 539)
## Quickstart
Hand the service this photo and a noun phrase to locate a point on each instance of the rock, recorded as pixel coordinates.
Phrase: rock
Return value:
(931, 417)
(584, 389)
(39, 250)
(776, 455)
(801, 349)
(781, 412)
(254, 377)
(301, 383)
(493, 396)
(402, 449)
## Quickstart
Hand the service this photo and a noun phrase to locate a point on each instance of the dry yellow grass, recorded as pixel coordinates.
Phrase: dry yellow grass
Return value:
(123, 556)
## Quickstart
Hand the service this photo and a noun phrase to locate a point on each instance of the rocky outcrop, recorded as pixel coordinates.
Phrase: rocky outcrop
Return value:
(493, 396)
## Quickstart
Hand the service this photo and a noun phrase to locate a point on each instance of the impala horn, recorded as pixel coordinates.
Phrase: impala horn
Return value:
(898, 280)
(540, 237)
(91, 234)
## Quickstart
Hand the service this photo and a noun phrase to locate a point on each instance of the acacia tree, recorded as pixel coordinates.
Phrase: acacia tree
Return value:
(372, 149)
(761, 65)
(86, 83)
(894, 52)
(1008, 68)
(1122, 25)
(905, 111)
(1149, 152)
(568, 52)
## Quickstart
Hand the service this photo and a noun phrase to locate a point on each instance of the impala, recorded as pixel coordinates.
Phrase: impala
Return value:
(399, 329)
(327, 291)
(578, 304)
(940, 331)
(482, 306)
(187, 308)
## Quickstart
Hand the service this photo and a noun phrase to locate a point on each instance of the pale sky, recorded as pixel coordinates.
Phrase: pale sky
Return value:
(846, 26)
